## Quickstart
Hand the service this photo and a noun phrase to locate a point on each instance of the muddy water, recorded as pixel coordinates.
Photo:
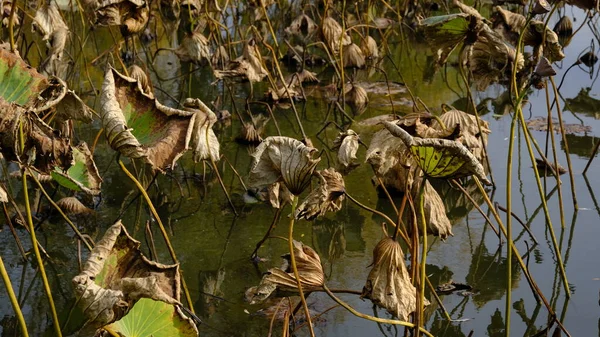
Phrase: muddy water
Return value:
(214, 246)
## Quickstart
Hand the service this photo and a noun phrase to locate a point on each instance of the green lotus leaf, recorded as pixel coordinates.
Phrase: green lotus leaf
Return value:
(82, 175)
(149, 318)
(19, 83)
(440, 158)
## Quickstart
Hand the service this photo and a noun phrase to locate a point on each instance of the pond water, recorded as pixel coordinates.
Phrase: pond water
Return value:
(214, 246)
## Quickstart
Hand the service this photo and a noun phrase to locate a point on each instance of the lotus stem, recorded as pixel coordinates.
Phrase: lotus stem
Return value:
(594, 151)
(162, 230)
(508, 233)
(11, 19)
(476, 113)
(566, 144)
(537, 293)
(13, 299)
(519, 114)
(14, 232)
(525, 227)
(214, 165)
(38, 257)
(487, 219)
(438, 299)
(423, 254)
(373, 318)
(558, 181)
(295, 267)
(267, 235)
(77, 232)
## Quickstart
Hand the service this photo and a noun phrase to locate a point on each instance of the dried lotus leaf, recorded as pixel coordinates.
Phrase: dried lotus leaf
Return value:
(138, 126)
(438, 223)
(347, 145)
(369, 48)
(117, 275)
(72, 205)
(440, 158)
(137, 73)
(302, 26)
(282, 279)
(356, 96)
(200, 136)
(327, 197)
(353, 57)
(283, 159)
(194, 48)
(334, 35)
(388, 284)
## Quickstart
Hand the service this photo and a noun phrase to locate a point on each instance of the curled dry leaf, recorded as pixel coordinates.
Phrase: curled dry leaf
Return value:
(117, 275)
(391, 160)
(44, 148)
(469, 134)
(334, 35)
(200, 136)
(138, 126)
(353, 57)
(327, 197)
(282, 279)
(347, 145)
(248, 66)
(72, 205)
(194, 48)
(55, 31)
(564, 30)
(303, 27)
(388, 284)
(220, 58)
(138, 74)
(3, 195)
(6, 7)
(440, 158)
(436, 218)
(536, 34)
(283, 159)
(369, 48)
(356, 96)
(252, 132)
(82, 175)
(118, 12)
(279, 194)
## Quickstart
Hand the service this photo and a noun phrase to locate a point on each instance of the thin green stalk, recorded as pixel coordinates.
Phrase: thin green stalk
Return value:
(162, 230)
(38, 257)
(11, 19)
(13, 299)
(558, 181)
(295, 268)
(537, 293)
(423, 255)
(509, 238)
(79, 235)
(519, 113)
(566, 144)
(372, 318)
